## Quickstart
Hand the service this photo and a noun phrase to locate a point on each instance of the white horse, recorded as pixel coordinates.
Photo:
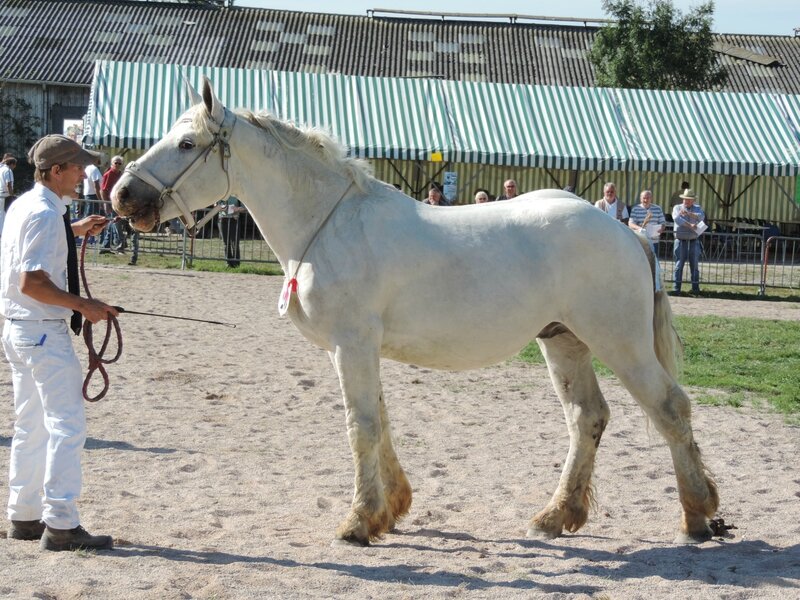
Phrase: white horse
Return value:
(372, 273)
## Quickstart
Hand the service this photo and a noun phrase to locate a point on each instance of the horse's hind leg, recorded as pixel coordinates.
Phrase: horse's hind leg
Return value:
(570, 364)
(395, 483)
(358, 368)
(669, 408)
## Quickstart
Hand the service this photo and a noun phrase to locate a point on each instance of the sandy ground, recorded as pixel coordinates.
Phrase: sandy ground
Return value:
(220, 465)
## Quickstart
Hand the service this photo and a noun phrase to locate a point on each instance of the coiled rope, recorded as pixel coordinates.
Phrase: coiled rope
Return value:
(97, 358)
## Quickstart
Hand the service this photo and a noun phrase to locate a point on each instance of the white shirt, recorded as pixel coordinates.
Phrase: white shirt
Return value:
(6, 177)
(34, 240)
(611, 209)
(92, 174)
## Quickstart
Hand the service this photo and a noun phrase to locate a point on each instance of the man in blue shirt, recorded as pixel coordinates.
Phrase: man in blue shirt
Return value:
(648, 220)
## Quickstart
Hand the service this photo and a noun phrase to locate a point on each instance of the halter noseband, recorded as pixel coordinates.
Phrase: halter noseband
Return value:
(222, 138)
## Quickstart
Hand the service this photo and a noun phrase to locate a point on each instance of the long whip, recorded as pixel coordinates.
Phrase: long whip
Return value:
(150, 314)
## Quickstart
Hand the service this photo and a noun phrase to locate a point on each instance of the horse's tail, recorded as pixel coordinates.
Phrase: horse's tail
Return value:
(668, 345)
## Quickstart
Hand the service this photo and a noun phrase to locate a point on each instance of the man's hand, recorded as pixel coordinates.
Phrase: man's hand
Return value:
(94, 310)
(91, 225)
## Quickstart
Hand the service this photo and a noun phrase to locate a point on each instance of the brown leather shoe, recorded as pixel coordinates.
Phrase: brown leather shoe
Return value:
(74, 539)
(25, 530)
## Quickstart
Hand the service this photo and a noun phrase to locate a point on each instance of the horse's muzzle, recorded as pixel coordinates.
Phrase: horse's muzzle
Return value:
(137, 201)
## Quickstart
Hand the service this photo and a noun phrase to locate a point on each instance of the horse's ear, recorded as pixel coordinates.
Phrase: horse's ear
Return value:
(213, 106)
(194, 97)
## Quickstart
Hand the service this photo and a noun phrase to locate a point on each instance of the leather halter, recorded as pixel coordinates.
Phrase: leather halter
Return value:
(222, 139)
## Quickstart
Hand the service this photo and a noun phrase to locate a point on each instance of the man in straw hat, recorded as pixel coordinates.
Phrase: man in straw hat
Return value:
(687, 217)
(50, 427)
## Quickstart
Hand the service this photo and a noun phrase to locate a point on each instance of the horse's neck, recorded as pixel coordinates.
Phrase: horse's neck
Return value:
(289, 213)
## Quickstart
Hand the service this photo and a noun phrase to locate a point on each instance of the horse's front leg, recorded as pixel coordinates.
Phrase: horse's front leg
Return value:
(395, 483)
(570, 364)
(358, 366)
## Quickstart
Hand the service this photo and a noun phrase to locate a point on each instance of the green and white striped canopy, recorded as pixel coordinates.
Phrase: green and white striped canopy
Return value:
(134, 104)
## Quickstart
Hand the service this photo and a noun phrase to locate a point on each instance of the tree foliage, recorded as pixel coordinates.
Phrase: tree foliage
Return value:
(18, 125)
(657, 47)
(18, 131)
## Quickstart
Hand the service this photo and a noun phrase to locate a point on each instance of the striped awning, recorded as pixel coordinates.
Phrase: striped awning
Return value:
(134, 104)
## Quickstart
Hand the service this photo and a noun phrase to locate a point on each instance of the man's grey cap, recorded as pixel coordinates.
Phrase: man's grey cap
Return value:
(59, 149)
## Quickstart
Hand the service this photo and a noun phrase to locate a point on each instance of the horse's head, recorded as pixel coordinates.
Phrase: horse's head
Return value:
(186, 170)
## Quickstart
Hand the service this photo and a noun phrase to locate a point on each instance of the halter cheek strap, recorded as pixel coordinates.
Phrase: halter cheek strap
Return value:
(222, 137)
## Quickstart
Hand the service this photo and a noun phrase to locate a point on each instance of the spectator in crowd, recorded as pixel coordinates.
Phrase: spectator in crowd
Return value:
(229, 228)
(481, 196)
(76, 206)
(7, 167)
(509, 190)
(134, 247)
(435, 197)
(114, 234)
(687, 244)
(91, 191)
(39, 266)
(612, 205)
(676, 199)
(648, 220)
(175, 226)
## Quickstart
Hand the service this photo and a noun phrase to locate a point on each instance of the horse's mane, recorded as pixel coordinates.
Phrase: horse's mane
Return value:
(315, 142)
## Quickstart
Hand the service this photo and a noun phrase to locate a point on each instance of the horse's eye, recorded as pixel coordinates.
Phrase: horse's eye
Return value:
(186, 145)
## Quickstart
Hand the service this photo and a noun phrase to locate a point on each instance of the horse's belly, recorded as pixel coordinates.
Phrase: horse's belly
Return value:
(454, 352)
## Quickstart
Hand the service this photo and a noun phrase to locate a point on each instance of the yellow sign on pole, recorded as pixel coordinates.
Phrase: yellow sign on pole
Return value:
(436, 157)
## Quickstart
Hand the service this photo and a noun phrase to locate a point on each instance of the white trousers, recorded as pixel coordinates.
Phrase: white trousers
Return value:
(50, 429)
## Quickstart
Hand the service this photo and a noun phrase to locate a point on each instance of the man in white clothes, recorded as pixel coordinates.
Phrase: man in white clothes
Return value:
(50, 425)
(91, 191)
(6, 184)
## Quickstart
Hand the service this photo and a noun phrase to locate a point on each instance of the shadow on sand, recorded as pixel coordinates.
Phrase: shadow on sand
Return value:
(745, 563)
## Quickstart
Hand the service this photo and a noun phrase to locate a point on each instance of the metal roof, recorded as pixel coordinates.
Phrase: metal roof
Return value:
(135, 104)
(57, 42)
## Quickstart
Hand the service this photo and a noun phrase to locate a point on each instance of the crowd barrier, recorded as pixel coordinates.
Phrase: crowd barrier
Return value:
(738, 259)
(781, 263)
(206, 244)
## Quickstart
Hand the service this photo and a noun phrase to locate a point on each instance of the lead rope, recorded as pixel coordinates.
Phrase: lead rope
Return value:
(293, 278)
(96, 358)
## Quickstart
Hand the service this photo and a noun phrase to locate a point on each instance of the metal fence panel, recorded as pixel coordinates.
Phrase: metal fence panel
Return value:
(725, 259)
(781, 265)
(207, 242)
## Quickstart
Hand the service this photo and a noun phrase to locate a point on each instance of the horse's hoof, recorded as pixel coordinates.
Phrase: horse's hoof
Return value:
(694, 538)
(349, 542)
(541, 534)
